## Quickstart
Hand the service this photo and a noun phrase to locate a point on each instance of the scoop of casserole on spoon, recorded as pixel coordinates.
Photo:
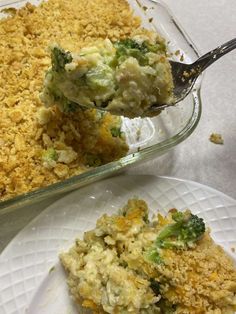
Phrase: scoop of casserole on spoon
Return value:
(132, 77)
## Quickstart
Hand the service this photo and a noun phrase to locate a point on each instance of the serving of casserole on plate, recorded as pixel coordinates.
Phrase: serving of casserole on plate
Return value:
(46, 151)
(168, 264)
(128, 260)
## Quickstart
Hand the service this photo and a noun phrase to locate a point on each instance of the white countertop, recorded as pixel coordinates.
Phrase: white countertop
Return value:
(209, 24)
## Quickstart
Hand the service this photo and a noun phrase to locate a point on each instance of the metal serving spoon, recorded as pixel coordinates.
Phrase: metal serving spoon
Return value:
(185, 75)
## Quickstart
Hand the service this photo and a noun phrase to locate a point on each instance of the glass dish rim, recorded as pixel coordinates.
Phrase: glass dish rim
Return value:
(110, 168)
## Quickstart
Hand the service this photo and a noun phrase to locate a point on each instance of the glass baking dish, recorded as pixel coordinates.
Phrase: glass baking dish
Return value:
(156, 135)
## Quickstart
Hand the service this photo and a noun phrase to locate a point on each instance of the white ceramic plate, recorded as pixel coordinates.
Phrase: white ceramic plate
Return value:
(31, 278)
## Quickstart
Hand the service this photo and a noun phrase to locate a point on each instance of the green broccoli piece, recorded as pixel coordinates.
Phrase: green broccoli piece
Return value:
(116, 132)
(158, 47)
(49, 155)
(129, 44)
(130, 48)
(183, 233)
(93, 160)
(155, 286)
(154, 255)
(60, 58)
(51, 93)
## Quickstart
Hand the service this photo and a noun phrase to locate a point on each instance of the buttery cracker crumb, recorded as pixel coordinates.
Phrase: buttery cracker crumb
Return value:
(216, 138)
(19, 142)
(67, 156)
(61, 170)
(16, 115)
(46, 140)
(44, 116)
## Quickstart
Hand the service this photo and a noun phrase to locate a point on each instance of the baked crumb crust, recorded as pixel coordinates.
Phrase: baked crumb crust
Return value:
(25, 131)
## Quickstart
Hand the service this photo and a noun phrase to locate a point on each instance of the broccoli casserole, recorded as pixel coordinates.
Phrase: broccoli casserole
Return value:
(129, 264)
(40, 146)
(125, 78)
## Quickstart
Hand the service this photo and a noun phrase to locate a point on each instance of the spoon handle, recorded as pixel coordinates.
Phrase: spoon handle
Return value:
(206, 60)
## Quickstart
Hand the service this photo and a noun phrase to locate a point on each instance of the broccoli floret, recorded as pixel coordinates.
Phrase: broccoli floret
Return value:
(158, 47)
(130, 48)
(93, 160)
(185, 230)
(116, 132)
(155, 286)
(143, 47)
(183, 233)
(50, 155)
(154, 255)
(129, 43)
(52, 93)
(68, 106)
(60, 58)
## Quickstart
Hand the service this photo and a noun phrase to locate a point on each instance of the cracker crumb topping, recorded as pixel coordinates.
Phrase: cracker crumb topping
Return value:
(27, 129)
